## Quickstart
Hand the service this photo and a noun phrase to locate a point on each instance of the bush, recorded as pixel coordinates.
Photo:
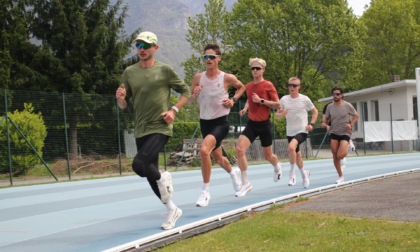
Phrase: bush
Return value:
(33, 127)
(280, 128)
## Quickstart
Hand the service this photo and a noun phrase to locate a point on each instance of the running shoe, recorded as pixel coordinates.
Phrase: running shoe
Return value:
(245, 188)
(171, 219)
(306, 181)
(278, 172)
(340, 180)
(292, 179)
(203, 199)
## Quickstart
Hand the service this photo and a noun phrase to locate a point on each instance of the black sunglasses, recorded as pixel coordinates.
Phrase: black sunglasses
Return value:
(143, 45)
(209, 56)
(256, 68)
(292, 85)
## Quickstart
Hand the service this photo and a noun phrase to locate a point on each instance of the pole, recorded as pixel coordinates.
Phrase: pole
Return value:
(392, 131)
(418, 101)
(9, 151)
(66, 135)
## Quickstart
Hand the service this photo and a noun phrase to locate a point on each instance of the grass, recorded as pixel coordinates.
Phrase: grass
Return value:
(278, 229)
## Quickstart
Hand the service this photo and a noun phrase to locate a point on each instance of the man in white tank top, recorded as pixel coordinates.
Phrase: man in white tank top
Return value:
(210, 88)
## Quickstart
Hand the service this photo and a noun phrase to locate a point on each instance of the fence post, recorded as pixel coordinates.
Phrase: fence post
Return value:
(418, 100)
(119, 137)
(363, 126)
(8, 139)
(392, 131)
(66, 136)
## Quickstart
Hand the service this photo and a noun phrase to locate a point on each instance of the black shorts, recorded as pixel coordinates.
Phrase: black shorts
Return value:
(261, 129)
(339, 137)
(300, 138)
(219, 128)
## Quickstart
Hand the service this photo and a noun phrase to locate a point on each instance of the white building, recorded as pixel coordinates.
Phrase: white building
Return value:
(396, 101)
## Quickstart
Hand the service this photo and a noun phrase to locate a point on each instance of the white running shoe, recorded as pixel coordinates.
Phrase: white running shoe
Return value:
(171, 219)
(236, 180)
(245, 188)
(292, 179)
(203, 199)
(278, 172)
(340, 180)
(306, 181)
(165, 187)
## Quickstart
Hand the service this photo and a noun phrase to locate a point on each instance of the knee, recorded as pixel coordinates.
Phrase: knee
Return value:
(138, 166)
(204, 151)
(291, 148)
(240, 151)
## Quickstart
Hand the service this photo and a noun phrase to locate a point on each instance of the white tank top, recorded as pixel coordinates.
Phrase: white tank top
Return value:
(211, 97)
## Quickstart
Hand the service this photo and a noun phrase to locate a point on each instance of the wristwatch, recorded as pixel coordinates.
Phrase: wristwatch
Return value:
(312, 124)
(262, 101)
(235, 99)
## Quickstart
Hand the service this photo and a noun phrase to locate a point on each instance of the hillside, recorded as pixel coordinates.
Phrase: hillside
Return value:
(168, 20)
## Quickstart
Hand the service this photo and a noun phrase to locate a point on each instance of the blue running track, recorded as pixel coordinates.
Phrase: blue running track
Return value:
(114, 214)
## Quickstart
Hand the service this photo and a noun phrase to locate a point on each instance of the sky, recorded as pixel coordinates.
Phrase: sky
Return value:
(358, 6)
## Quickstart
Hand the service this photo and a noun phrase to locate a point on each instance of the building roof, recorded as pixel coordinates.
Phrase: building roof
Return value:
(380, 88)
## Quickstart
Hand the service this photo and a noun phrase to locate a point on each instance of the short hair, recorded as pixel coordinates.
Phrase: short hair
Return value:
(337, 88)
(258, 60)
(294, 78)
(213, 47)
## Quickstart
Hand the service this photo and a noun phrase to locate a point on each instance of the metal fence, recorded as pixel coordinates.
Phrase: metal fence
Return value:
(88, 136)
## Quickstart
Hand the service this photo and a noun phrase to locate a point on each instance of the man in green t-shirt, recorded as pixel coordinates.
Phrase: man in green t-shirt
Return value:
(148, 84)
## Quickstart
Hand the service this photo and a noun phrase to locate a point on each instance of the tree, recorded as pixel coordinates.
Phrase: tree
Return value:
(82, 50)
(314, 40)
(204, 29)
(391, 40)
(15, 49)
(82, 42)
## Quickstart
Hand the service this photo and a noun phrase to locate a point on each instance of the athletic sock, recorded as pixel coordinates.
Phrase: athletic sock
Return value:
(292, 167)
(244, 175)
(205, 187)
(170, 205)
(302, 171)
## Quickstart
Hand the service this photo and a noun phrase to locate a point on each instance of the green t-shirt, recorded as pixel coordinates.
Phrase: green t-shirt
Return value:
(150, 90)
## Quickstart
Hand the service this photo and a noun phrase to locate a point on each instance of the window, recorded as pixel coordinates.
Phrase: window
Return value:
(364, 115)
(375, 110)
(355, 127)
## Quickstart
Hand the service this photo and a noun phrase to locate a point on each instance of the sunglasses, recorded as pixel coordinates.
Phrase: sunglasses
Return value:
(209, 56)
(293, 85)
(256, 68)
(336, 94)
(143, 45)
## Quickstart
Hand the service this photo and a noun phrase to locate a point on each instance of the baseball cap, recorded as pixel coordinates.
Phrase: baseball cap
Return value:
(147, 37)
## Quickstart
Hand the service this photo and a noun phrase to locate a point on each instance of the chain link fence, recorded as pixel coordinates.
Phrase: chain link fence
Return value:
(86, 136)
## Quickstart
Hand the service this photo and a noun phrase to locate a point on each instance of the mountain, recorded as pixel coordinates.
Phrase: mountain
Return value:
(168, 20)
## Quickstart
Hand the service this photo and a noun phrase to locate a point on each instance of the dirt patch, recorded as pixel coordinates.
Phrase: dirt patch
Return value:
(396, 198)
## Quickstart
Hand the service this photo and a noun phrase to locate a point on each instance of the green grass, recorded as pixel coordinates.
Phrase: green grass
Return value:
(280, 230)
